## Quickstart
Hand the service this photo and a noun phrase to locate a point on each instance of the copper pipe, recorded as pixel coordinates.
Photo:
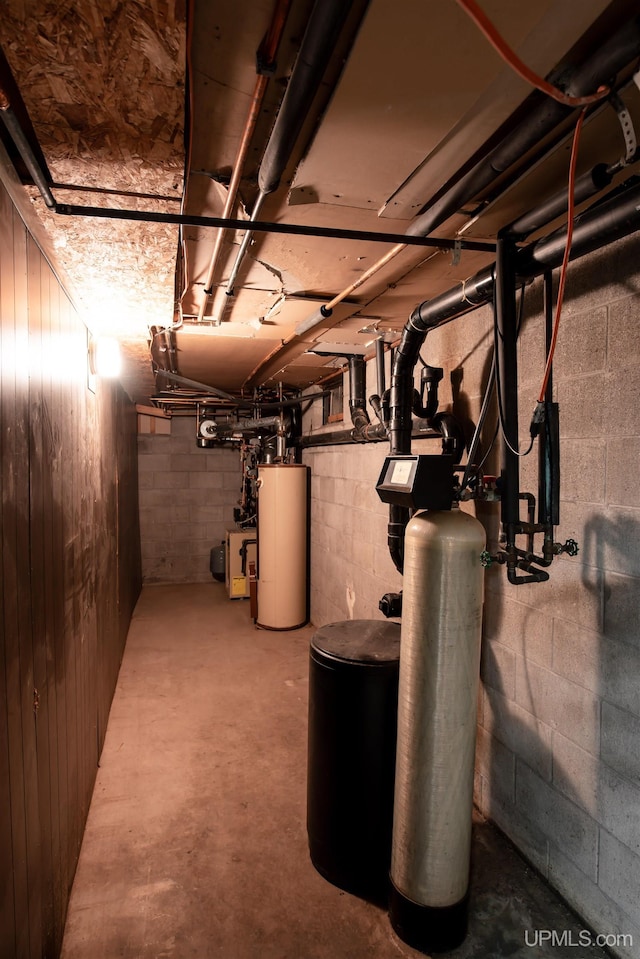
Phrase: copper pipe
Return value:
(348, 290)
(266, 55)
(392, 253)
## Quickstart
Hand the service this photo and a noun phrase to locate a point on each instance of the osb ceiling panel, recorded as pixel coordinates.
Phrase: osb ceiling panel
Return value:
(104, 85)
(227, 357)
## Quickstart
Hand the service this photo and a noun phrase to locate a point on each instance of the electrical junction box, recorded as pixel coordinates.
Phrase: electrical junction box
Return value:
(418, 482)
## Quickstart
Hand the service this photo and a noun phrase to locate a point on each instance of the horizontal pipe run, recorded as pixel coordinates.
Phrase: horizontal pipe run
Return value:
(203, 388)
(261, 422)
(605, 222)
(590, 183)
(609, 220)
(613, 55)
(291, 229)
(344, 437)
(16, 133)
(318, 43)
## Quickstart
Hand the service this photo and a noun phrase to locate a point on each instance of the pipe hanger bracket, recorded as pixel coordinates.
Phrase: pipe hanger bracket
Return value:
(628, 130)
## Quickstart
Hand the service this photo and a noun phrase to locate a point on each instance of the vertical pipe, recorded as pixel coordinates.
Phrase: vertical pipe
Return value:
(548, 452)
(266, 60)
(380, 374)
(548, 327)
(507, 383)
(357, 374)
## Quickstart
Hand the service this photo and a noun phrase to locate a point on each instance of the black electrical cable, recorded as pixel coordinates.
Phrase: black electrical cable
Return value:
(491, 445)
(491, 382)
(476, 433)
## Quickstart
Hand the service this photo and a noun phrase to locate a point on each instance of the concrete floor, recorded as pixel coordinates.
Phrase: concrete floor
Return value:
(196, 843)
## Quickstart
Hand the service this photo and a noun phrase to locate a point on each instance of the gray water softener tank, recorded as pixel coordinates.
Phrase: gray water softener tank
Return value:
(353, 700)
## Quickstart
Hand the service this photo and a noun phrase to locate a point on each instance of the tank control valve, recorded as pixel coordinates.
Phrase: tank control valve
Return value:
(571, 548)
(391, 605)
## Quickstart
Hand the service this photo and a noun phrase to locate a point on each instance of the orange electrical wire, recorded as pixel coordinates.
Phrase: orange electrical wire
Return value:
(565, 259)
(483, 22)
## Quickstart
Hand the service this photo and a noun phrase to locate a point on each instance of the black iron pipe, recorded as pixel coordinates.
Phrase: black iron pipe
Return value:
(506, 353)
(608, 220)
(345, 437)
(548, 447)
(611, 219)
(16, 133)
(399, 516)
(590, 183)
(614, 54)
(380, 372)
(605, 222)
(357, 377)
(357, 401)
(324, 26)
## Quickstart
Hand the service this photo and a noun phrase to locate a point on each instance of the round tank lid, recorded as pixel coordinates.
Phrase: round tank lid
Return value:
(359, 640)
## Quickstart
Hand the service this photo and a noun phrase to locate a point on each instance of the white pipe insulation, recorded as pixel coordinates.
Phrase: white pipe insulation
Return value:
(437, 703)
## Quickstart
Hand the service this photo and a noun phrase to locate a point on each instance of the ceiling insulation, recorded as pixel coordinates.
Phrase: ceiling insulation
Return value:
(103, 83)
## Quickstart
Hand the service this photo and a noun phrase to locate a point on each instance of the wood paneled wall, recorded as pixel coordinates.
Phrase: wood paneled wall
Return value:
(70, 575)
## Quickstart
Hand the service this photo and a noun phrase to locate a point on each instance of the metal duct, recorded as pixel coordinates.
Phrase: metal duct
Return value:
(437, 702)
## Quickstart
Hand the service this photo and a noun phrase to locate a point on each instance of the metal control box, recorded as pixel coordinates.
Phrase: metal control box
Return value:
(241, 550)
(418, 482)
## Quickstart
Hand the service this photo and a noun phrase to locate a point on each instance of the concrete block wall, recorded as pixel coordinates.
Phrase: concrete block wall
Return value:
(559, 734)
(350, 564)
(187, 496)
(557, 764)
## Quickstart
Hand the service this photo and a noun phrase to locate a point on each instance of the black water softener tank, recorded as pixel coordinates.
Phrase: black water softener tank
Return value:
(353, 702)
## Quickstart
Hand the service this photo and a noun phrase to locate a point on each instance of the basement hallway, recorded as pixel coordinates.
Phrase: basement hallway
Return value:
(196, 844)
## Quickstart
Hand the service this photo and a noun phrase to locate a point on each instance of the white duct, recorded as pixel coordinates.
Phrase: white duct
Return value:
(439, 678)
